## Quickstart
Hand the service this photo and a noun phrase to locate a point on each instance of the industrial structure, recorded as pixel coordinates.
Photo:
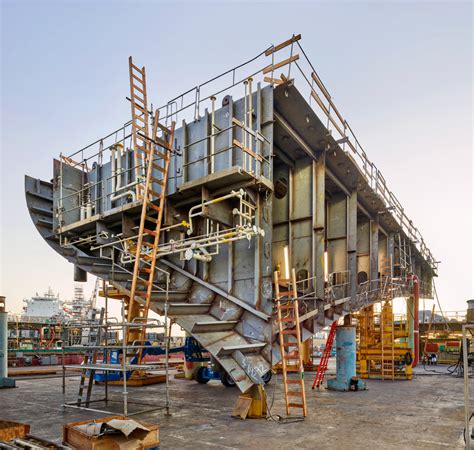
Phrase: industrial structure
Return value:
(189, 210)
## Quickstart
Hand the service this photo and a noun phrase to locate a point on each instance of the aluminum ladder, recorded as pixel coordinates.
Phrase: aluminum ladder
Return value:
(323, 364)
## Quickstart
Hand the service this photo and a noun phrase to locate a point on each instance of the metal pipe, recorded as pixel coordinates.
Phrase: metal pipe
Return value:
(191, 213)
(118, 167)
(416, 320)
(467, 408)
(213, 101)
(3, 339)
(125, 194)
(113, 168)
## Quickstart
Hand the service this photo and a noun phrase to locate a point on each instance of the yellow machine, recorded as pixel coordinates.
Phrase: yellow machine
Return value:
(383, 344)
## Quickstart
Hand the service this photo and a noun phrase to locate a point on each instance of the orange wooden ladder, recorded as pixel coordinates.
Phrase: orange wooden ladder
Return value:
(290, 342)
(152, 160)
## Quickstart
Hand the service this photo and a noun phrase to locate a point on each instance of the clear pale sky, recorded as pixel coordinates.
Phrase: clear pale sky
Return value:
(400, 72)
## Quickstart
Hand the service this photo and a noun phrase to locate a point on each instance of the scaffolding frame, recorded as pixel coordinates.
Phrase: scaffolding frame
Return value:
(382, 343)
(124, 367)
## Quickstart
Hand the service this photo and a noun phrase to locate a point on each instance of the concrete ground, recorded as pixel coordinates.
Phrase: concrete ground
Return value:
(426, 413)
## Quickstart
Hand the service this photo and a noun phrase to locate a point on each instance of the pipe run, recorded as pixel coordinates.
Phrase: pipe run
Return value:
(416, 319)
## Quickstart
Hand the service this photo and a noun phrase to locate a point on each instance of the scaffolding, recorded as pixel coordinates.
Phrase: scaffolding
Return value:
(383, 351)
(128, 366)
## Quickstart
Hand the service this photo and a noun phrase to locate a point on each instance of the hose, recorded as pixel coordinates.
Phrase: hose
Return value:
(277, 418)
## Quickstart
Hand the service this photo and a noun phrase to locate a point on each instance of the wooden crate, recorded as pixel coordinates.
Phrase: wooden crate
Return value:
(12, 430)
(79, 440)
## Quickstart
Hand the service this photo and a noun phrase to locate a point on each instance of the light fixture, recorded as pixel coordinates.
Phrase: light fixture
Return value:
(326, 272)
(287, 262)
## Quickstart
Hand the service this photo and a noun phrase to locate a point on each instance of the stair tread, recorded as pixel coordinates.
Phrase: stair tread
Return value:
(229, 349)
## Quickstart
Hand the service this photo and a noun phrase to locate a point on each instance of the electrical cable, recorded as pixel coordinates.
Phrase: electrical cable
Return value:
(439, 306)
(277, 418)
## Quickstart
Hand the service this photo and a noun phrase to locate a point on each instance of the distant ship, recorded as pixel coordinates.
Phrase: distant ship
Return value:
(44, 307)
(49, 307)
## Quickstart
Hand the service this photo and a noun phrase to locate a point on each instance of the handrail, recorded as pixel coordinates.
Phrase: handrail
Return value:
(325, 104)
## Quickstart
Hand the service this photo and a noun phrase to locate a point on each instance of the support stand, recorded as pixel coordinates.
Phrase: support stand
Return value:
(252, 404)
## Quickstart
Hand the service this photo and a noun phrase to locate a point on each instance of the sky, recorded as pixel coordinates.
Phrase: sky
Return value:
(399, 72)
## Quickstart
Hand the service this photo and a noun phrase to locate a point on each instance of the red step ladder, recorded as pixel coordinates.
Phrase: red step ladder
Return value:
(323, 364)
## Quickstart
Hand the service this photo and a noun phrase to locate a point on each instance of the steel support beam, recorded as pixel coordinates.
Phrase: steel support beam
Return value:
(217, 290)
(374, 252)
(352, 243)
(319, 222)
(390, 251)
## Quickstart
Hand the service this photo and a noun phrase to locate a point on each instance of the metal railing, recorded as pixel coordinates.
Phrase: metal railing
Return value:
(189, 104)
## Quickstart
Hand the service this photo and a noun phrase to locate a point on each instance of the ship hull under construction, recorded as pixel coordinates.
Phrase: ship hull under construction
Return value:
(262, 181)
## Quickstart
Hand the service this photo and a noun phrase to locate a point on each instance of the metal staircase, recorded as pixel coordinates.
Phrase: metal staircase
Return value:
(194, 304)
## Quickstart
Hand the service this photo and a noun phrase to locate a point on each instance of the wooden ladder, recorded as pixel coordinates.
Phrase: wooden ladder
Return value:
(140, 120)
(152, 157)
(290, 342)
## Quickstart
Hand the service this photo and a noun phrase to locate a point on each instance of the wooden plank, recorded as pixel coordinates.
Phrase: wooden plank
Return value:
(273, 80)
(276, 66)
(11, 430)
(81, 440)
(247, 150)
(242, 407)
(284, 44)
